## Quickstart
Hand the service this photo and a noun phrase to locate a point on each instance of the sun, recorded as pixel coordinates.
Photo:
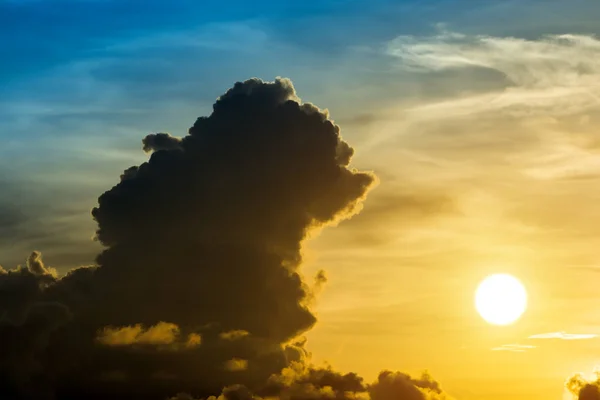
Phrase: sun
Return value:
(501, 299)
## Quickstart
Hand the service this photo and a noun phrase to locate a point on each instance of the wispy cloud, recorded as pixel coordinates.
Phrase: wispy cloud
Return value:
(557, 73)
(564, 336)
(516, 348)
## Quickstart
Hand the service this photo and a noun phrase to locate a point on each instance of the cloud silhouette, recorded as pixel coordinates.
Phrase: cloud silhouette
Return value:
(397, 385)
(197, 293)
(584, 388)
(161, 333)
(299, 381)
(198, 286)
(161, 141)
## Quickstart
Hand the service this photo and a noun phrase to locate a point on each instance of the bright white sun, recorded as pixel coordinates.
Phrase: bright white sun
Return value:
(501, 299)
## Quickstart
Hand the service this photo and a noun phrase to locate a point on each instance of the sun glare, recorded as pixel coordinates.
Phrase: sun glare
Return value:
(501, 299)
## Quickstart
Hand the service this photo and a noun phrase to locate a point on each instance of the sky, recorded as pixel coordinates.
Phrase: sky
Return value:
(474, 129)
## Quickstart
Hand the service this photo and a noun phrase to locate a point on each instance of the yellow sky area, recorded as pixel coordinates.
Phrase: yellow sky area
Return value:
(479, 183)
(403, 273)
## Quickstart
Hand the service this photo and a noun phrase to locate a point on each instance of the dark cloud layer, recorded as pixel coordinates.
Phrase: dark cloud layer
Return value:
(198, 287)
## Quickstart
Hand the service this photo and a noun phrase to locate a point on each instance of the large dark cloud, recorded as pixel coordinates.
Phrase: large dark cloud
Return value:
(198, 289)
(202, 243)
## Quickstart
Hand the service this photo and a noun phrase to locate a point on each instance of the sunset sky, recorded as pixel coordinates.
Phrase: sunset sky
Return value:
(479, 119)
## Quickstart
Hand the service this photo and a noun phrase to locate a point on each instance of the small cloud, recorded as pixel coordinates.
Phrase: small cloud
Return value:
(236, 364)
(194, 340)
(37, 267)
(516, 348)
(234, 335)
(161, 141)
(161, 333)
(320, 281)
(564, 336)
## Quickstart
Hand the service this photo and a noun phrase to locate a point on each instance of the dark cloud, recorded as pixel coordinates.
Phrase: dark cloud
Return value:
(320, 279)
(161, 141)
(22, 287)
(37, 267)
(198, 290)
(162, 333)
(584, 389)
(302, 382)
(27, 322)
(397, 385)
(198, 286)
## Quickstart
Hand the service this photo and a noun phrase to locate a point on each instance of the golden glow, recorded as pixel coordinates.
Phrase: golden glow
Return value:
(501, 299)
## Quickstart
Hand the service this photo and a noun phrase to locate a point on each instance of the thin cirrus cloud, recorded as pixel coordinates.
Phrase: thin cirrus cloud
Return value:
(521, 348)
(515, 348)
(555, 72)
(564, 336)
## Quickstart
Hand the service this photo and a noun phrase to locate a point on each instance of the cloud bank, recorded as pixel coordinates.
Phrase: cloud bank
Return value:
(198, 287)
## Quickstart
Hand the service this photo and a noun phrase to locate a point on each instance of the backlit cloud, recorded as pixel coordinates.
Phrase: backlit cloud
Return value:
(161, 333)
(584, 386)
(198, 289)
